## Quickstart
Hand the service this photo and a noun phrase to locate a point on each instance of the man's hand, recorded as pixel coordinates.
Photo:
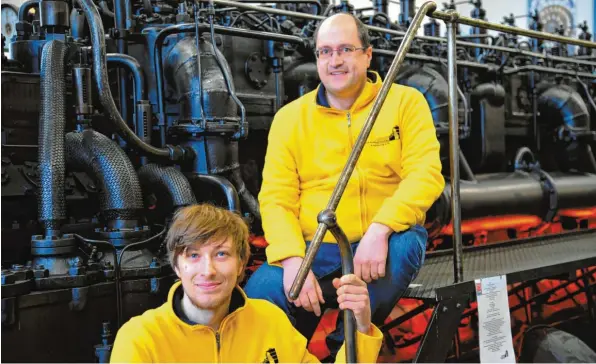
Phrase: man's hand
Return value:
(311, 294)
(352, 294)
(371, 255)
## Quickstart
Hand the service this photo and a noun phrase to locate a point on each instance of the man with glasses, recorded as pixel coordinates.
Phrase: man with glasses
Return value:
(382, 211)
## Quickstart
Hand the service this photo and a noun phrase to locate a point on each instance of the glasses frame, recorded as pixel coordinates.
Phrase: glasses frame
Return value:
(338, 50)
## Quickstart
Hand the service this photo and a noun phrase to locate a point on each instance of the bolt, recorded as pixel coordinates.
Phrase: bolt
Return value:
(76, 262)
(458, 305)
(8, 277)
(445, 308)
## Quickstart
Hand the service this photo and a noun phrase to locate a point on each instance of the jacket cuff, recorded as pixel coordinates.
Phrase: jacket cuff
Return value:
(369, 345)
(385, 218)
(278, 252)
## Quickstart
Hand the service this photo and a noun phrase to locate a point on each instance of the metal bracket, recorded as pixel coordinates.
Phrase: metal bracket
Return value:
(549, 191)
(441, 330)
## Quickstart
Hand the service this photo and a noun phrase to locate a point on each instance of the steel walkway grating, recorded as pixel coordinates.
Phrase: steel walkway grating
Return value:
(520, 260)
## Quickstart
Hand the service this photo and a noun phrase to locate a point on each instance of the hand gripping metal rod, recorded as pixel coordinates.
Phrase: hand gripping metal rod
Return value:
(326, 218)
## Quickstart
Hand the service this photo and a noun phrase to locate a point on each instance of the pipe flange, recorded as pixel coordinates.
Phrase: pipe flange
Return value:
(12, 286)
(53, 245)
(256, 70)
(122, 237)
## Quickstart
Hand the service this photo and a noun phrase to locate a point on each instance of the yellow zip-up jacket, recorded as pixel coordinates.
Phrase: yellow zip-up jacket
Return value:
(255, 331)
(396, 180)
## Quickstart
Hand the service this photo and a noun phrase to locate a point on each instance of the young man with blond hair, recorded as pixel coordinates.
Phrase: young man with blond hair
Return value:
(209, 318)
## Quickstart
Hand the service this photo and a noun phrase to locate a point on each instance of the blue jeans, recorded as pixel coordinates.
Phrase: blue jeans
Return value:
(405, 257)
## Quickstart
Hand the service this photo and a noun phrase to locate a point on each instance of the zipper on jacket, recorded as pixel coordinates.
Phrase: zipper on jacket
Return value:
(349, 116)
(359, 176)
(218, 342)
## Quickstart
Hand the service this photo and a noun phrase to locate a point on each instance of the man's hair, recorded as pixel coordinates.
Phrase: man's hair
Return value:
(362, 30)
(206, 223)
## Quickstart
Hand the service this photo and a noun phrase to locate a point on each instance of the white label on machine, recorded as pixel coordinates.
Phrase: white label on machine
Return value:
(496, 343)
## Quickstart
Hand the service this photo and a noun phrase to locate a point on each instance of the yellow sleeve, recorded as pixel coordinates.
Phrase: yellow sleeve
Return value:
(422, 182)
(368, 347)
(129, 346)
(279, 197)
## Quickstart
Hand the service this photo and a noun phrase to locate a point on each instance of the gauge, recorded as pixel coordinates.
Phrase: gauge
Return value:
(10, 16)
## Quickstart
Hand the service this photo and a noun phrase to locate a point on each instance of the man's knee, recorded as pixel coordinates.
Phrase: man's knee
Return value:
(267, 283)
(408, 248)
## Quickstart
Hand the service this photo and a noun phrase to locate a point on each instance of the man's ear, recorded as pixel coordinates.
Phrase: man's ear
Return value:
(240, 267)
(176, 267)
(369, 55)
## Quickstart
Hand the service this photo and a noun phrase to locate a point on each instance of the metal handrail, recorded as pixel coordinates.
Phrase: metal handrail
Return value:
(454, 17)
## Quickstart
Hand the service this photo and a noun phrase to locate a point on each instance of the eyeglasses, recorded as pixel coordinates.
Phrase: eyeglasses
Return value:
(326, 52)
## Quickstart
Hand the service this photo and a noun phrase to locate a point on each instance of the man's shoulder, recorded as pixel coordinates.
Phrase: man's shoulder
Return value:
(293, 108)
(146, 323)
(265, 310)
(404, 92)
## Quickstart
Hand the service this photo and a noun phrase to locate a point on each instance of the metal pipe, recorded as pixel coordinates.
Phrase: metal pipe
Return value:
(134, 68)
(421, 57)
(458, 267)
(120, 25)
(317, 3)
(98, 42)
(466, 167)
(401, 33)
(466, 110)
(329, 219)
(225, 186)
(558, 71)
(506, 71)
(191, 28)
(455, 17)
(355, 154)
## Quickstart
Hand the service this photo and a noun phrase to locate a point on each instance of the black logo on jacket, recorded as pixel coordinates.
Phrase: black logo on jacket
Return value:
(384, 140)
(271, 356)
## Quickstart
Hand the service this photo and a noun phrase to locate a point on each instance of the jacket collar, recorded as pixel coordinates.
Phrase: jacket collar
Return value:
(174, 306)
(369, 92)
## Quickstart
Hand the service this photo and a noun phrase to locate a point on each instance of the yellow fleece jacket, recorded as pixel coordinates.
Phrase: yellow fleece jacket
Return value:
(256, 331)
(396, 180)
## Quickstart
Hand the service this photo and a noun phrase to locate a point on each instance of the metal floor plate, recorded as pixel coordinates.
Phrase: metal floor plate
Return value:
(523, 259)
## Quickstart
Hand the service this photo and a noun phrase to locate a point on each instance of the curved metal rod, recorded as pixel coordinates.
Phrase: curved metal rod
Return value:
(359, 145)
(98, 42)
(224, 185)
(133, 66)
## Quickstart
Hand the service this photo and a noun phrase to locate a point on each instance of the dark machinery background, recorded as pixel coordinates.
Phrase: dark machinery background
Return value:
(115, 113)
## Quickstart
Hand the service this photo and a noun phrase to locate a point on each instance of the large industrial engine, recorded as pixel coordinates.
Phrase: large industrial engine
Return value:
(115, 113)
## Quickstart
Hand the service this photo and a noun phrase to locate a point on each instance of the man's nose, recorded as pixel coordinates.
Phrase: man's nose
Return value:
(206, 267)
(336, 59)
